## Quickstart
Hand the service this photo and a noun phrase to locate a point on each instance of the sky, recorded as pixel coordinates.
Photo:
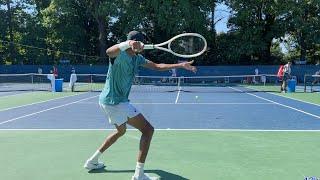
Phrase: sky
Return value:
(222, 12)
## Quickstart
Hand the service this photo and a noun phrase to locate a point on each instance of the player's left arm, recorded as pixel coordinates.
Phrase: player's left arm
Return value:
(165, 67)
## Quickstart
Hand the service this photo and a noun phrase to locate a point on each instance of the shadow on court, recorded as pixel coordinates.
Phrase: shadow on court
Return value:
(163, 175)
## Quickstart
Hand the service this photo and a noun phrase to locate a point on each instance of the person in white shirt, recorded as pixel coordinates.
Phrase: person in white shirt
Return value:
(39, 70)
(73, 79)
(255, 78)
(286, 76)
(316, 79)
(174, 72)
(52, 79)
(173, 75)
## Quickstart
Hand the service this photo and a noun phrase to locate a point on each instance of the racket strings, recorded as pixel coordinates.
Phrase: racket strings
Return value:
(187, 45)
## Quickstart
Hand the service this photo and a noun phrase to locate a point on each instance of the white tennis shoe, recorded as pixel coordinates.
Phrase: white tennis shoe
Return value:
(91, 165)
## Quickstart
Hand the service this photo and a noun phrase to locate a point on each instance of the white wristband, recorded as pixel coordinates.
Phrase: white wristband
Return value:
(124, 46)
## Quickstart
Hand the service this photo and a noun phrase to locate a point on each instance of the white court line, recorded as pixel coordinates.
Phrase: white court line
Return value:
(221, 103)
(304, 112)
(218, 103)
(168, 129)
(295, 99)
(179, 90)
(15, 107)
(16, 94)
(56, 107)
(277, 94)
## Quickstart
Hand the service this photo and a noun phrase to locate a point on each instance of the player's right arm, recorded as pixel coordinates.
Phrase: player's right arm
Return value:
(114, 50)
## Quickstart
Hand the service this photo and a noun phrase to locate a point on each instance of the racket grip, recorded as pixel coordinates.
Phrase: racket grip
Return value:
(148, 46)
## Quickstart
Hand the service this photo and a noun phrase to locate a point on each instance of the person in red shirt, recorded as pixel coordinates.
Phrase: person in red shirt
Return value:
(284, 73)
(55, 71)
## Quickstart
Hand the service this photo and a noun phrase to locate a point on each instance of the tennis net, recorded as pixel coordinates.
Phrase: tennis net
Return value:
(239, 83)
(24, 82)
(95, 83)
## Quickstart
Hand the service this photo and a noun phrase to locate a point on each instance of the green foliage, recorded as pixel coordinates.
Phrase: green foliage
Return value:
(258, 23)
(276, 53)
(47, 31)
(227, 43)
(305, 28)
(65, 29)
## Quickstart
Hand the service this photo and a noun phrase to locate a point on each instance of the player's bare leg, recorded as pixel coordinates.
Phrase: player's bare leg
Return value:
(112, 138)
(93, 161)
(140, 123)
(284, 86)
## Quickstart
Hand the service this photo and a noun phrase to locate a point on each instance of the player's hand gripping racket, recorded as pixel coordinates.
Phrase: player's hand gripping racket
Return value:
(186, 45)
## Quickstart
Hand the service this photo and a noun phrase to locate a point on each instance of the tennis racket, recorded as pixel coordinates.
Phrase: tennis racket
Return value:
(186, 45)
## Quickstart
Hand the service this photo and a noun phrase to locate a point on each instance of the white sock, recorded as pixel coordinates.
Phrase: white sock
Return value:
(139, 169)
(95, 156)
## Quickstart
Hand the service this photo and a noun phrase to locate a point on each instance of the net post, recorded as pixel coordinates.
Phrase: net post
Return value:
(32, 82)
(179, 83)
(91, 83)
(304, 83)
(311, 87)
(226, 80)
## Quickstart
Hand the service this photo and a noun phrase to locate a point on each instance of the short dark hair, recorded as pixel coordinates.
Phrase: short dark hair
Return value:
(136, 36)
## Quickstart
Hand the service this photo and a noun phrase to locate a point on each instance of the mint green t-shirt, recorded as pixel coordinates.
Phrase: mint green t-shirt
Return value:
(119, 78)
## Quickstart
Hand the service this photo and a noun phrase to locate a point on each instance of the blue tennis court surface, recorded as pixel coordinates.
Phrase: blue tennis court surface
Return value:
(200, 135)
(224, 108)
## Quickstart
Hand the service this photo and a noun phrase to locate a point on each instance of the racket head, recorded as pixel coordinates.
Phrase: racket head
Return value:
(187, 45)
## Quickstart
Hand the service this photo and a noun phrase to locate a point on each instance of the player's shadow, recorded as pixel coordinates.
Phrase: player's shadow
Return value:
(163, 175)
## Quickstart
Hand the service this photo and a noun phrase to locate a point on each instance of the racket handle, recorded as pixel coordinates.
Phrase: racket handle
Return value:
(148, 46)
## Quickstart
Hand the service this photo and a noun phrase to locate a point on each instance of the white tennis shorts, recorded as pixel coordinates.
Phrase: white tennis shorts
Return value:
(119, 114)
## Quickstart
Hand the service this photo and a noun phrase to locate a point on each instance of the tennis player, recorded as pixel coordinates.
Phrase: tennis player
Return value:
(52, 78)
(316, 79)
(255, 78)
(173, 77)
(286, 76)
(124, 60)
(73, 79)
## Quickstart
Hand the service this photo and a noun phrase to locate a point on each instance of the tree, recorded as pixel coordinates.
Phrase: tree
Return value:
(70, 30)
(3, 32)
(259, 22)
(103, 12)
(304, 24)
(161, 20)
(16, 27)
(10, 29)
(79, 27)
